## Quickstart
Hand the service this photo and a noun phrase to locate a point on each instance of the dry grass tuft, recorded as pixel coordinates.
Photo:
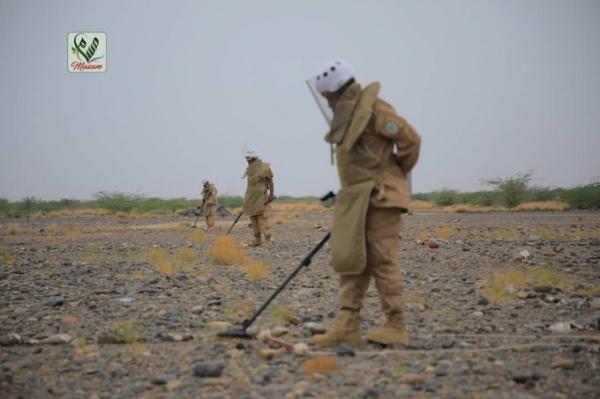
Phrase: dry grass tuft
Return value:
(7, 257)
(590, 292)
(282, 316)
(126, 331)
(321, 365)
(13, 229)
(257, 271)
(464, 208)
(72, 232)
(419, 205)
(445, 232)
(299, 207)
(125, 215)
(52, 229)
(161, 262)
(500, 234)
(79, 212)
(502, 286)
(186, 256)
(198, 237)
(226, 252)
(543, 206)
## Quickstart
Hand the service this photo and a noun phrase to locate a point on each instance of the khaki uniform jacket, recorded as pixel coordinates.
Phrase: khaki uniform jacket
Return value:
(209, 196)
(375, 149)
(256, 188)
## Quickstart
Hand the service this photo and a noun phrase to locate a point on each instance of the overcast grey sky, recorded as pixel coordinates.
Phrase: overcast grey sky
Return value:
(493, 87)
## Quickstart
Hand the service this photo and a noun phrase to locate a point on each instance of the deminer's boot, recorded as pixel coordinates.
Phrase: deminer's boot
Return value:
(345, 330)
(268, 242)
(256, 242)
(393, 332)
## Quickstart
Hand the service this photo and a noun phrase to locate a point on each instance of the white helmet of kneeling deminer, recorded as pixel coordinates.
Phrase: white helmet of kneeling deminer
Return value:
(333, 76)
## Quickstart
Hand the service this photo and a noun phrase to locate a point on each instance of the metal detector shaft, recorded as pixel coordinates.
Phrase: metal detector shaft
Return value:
(234, 222)
(305, 263)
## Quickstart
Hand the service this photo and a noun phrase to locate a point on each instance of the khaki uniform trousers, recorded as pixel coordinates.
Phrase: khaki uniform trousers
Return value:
(260, 224)
(209, 216)
(382, 229)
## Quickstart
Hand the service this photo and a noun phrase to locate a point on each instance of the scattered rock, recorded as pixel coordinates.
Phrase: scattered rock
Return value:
(56, 301)
(300, 349)
(413, 378)
(174, 337)
(563, 363)
(198, 309)
(561, 327)
(163, 379)
(483, 301)
(117, 370)
(595, 304)
(524, 255)
(477, 313)
(126, 299)
(208, 369)
(279, 331)
(344, 350)
(315, 328)
(57, 339)
(11, 340)
(268, 354)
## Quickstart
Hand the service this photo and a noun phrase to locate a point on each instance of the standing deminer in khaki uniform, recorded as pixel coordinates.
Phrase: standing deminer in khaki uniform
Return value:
(260, 192)
(209, 203)
(375, 150)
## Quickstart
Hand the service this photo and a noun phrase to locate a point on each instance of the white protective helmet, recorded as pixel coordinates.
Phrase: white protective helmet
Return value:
(333, 75)
(249, 152)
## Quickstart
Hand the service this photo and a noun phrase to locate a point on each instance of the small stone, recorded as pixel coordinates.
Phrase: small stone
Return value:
(163, 379)
(181, 276)
(344, 350)
(208, 369)
(563, 363)
(55, 301)
(525, 294)
(300, 349)
(57, 339)
(268, 354)
(533, 237)
(174, 337)
(413, 378)
(483, 301)
(11, 340)
(315, 328)
(521, 377)
(477, 313)
(561, 327)
(595, 304)
(198, 309)
(117, 370)
(279, 331)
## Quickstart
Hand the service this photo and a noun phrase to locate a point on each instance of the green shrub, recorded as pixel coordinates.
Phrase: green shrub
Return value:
(583, 197)
(446, 197)
(513, 188)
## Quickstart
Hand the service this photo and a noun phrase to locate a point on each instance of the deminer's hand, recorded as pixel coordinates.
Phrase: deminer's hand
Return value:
(270, 199)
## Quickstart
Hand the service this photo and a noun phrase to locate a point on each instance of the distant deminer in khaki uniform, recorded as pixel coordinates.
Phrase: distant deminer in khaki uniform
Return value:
(260, 192)
(375, 150)
(209, 203)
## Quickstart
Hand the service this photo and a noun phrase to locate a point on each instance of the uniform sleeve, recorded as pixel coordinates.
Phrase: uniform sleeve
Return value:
(395, 128)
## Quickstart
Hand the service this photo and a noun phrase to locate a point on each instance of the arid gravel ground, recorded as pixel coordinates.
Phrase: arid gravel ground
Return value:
(485, 322)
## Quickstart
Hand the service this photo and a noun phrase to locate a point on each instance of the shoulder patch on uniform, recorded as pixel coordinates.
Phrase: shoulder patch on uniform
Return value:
(391, 128)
